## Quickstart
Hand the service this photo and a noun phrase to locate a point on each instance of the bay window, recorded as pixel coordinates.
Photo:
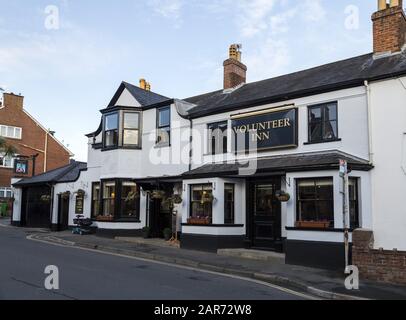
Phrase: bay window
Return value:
(315, 200)
(131, 129)
(111, 130)
(95, 199)
(109, 197)
(201, 206)
(129, 200)
(164, 126)
(229, 214)
(354, 203)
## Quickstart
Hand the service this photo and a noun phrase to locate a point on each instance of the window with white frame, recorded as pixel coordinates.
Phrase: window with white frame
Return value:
(6, 162)
(6, 193)
(10, 132)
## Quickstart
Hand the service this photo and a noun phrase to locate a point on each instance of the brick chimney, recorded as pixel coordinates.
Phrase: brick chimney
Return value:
(235, 72)
(389, 24)
(12, 100)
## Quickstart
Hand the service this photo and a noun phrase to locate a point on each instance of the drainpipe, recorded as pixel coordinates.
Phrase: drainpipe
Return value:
(369, 115)
(46, 151)
(190, 145)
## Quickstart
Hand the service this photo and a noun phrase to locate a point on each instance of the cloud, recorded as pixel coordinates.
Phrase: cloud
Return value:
(271, 59)
(253, 16)
(170, 9)
(313, 11)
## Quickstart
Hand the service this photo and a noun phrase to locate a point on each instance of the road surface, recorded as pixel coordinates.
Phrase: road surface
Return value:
(88, 275)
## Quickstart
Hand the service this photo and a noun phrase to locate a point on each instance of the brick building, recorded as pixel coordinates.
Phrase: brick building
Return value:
(30, 139)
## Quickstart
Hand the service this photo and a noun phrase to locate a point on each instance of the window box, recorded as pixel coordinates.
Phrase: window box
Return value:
(313, 224)
(105, 218)
(199, 221)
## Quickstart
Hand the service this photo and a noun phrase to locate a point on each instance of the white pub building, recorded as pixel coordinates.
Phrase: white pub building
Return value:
(252, 165)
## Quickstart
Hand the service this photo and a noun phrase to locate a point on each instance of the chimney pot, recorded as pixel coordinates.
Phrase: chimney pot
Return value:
(235, 72)
(143, 84)
(382, 5)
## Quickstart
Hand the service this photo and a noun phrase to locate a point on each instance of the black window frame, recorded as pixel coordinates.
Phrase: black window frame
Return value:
(232, 202)
(191, 201)
(167, 128)
(118, 206)
(355, 203)
(215, 139)
(124, 129)
(98, 200)
(322, 106)
(315, 200)
(116, 145)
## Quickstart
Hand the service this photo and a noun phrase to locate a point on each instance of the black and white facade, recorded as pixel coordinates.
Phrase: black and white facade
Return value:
(252, 166)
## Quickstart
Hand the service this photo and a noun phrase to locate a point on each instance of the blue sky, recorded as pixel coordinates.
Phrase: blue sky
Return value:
(67, 75)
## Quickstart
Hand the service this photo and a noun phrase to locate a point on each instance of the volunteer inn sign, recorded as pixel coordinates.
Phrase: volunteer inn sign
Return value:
(266, 129)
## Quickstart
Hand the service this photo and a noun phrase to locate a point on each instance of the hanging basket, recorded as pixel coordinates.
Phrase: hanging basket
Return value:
(158, 194)
(65, 195)
(80, 193)
(282, 196)
(46, 198)
(177, 199)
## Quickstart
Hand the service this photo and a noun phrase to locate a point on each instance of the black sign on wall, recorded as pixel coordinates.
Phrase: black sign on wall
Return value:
(265, 130)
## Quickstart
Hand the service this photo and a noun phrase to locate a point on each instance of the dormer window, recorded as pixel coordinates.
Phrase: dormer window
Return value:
(131, 129)
(121, 129)
(111, 130)
(164, 126)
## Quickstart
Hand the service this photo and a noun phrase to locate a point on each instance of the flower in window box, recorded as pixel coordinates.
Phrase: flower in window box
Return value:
(313, 224)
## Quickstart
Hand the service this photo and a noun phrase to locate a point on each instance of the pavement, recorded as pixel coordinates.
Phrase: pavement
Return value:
(94, 275)
(320, 283)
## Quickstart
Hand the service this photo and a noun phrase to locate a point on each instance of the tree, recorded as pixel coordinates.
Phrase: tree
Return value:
(7, 149)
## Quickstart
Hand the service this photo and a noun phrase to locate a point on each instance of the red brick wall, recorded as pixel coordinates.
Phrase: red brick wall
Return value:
(378, 265)
(32, 142)
(235, 73)
(389, 27)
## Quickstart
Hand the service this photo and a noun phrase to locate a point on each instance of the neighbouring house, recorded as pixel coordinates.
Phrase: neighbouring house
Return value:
(38, 150)
(256, 165)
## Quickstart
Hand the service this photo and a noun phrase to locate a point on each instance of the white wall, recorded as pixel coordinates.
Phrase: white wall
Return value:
(18, 194)
(388, 105)
(352, 127)
(150, 161)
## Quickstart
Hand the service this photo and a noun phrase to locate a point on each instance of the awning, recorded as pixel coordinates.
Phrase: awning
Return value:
(279, 164)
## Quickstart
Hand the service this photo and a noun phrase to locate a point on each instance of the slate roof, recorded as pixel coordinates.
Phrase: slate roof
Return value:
(287, 163)
(69, 173)
(333, 76)
(144, 97)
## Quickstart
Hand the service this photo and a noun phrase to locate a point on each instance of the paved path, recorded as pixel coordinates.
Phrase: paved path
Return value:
(92, 275)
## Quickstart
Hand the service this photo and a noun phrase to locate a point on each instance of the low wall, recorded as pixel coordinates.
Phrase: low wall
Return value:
(387, 266)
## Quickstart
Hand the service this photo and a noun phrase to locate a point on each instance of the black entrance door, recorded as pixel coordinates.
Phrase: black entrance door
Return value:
(160, 217)
(265, 215)
(37, 207)
(63, 213)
